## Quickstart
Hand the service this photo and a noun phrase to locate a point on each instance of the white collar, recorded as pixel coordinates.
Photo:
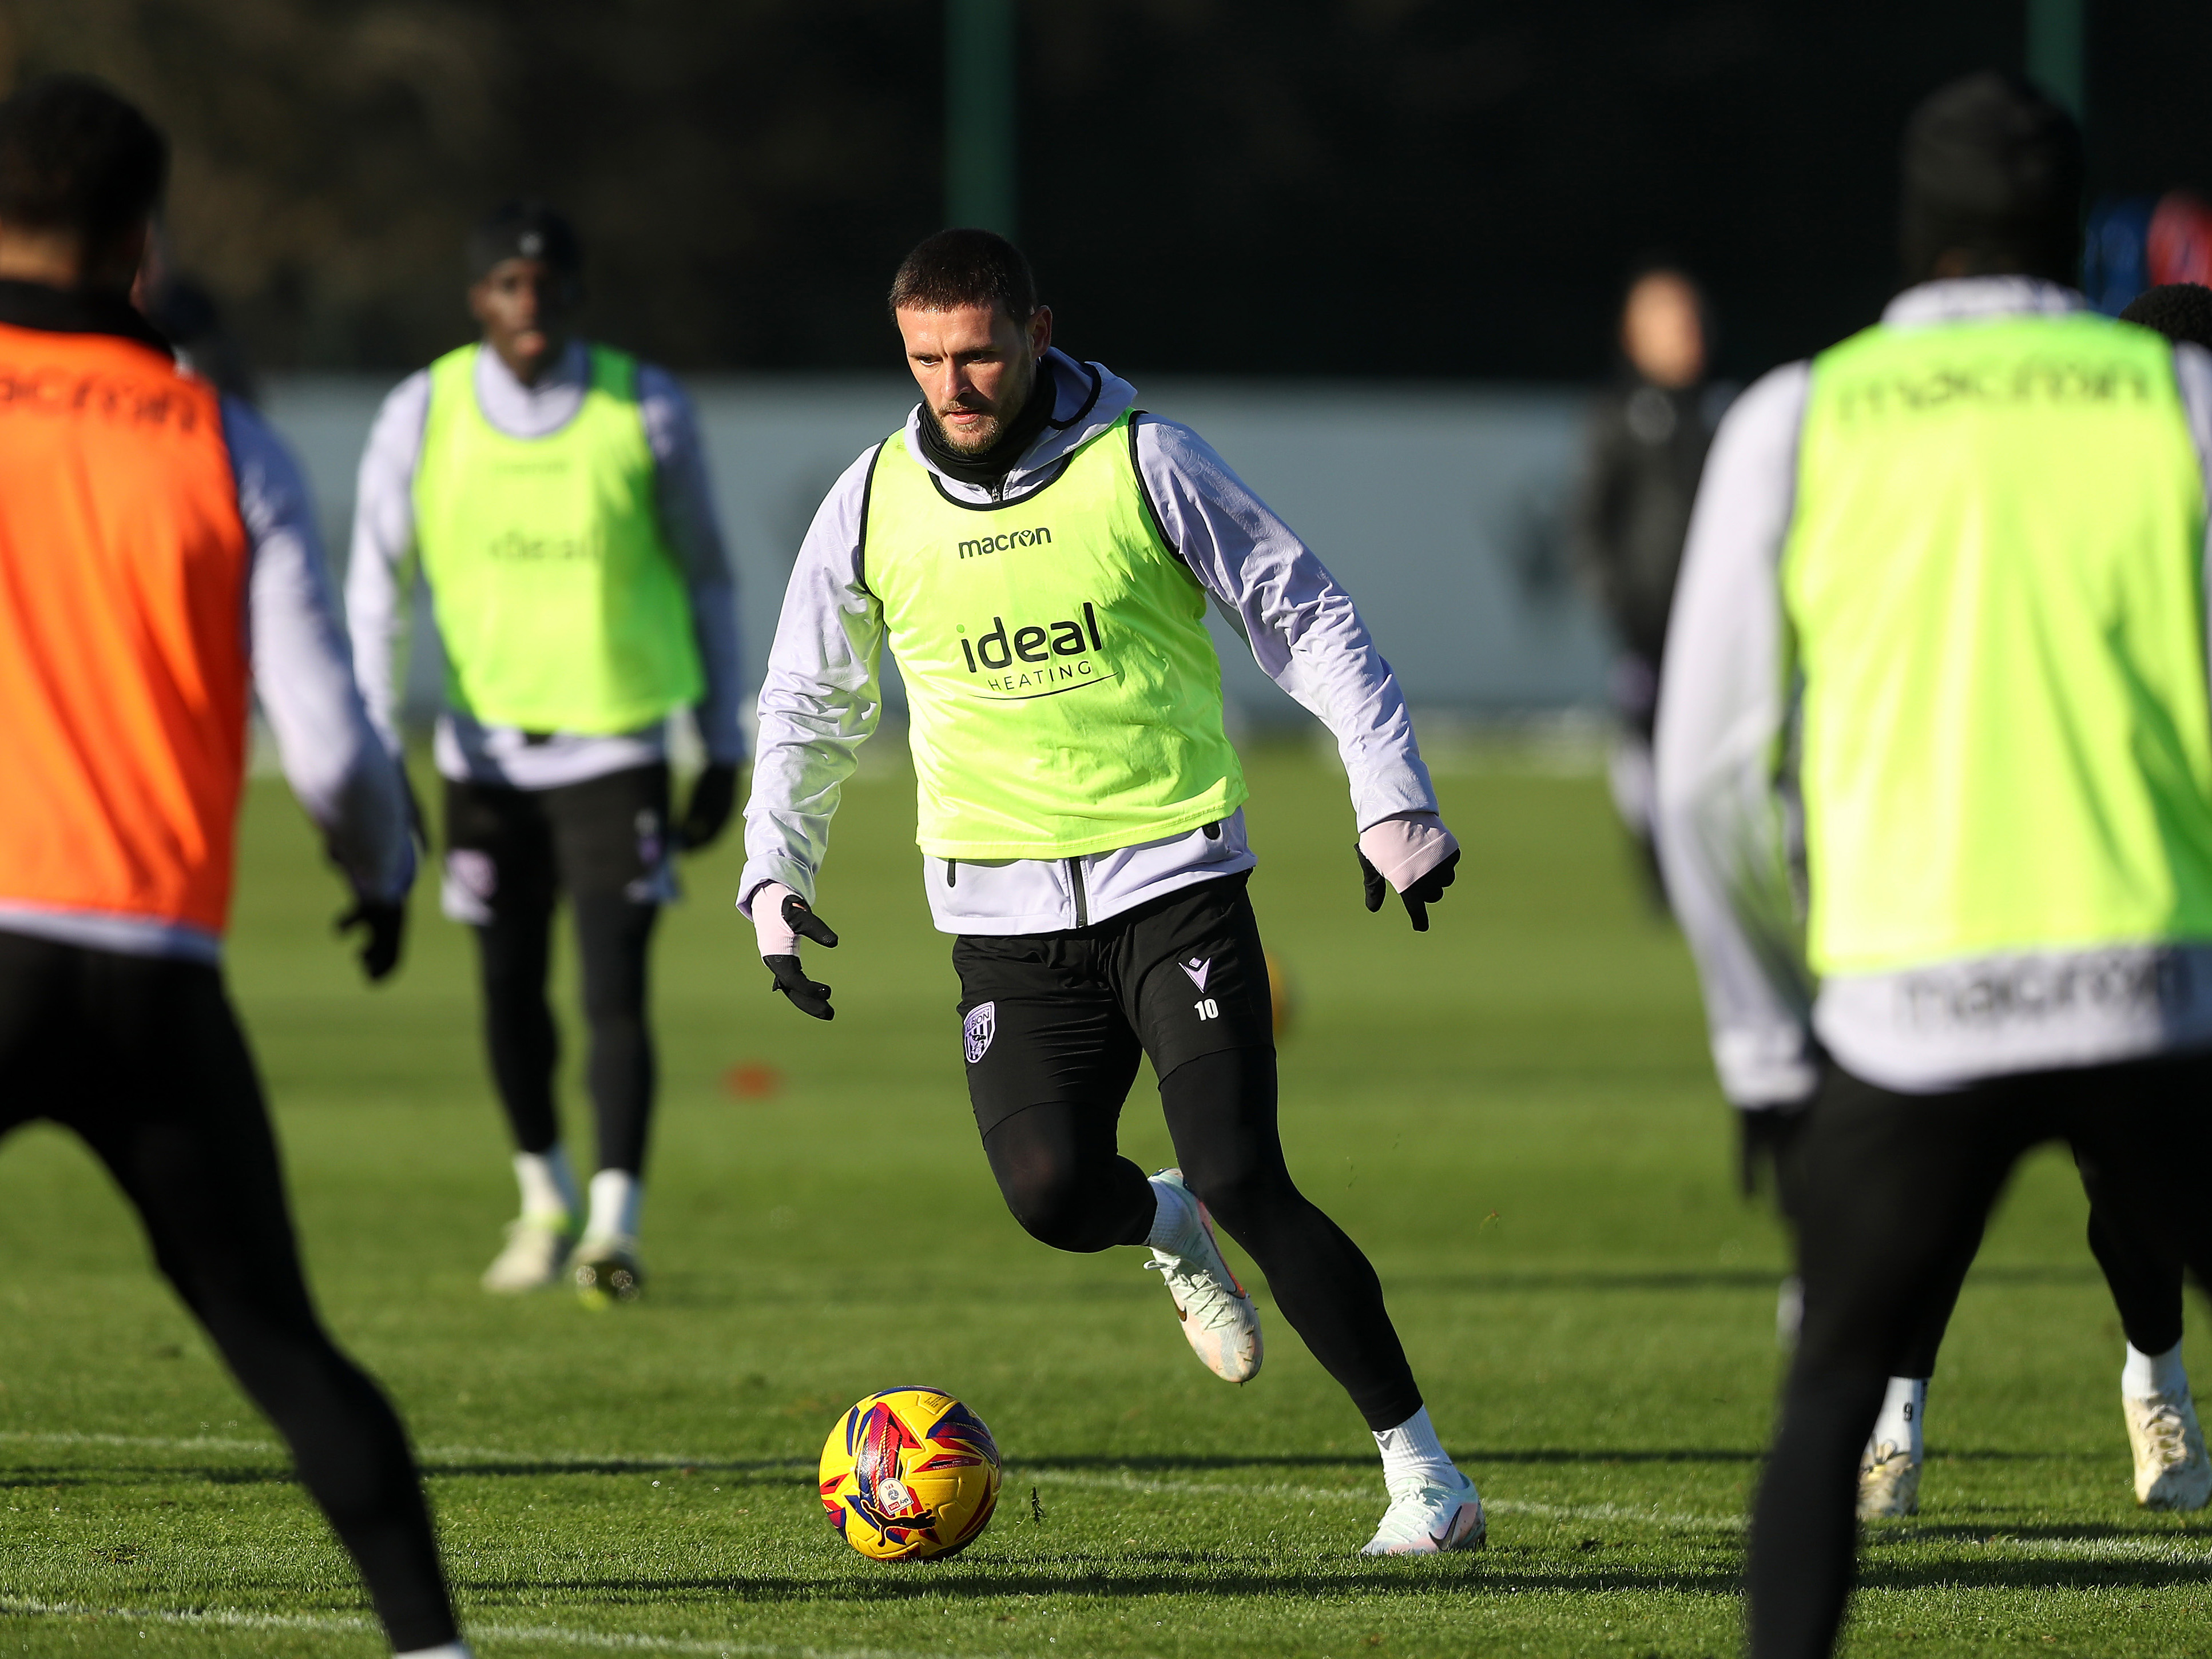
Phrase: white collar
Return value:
(1962, 299)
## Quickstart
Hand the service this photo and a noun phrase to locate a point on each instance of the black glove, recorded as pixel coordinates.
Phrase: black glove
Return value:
(1763, 1139)
(714, 796)
(386, 923)
(806, 996)
(1420, 896)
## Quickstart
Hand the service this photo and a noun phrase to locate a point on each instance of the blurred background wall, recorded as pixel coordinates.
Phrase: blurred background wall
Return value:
(1373, 248)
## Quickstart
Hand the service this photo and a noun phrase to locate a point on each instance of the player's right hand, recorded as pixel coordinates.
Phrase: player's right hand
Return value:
(781, 919)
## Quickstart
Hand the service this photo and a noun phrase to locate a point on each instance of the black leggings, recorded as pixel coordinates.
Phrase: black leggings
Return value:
(2145, 1281)
(513, 852)
(1890, 1193)
(1069, 1185)
(143, 1058)
(514, 953)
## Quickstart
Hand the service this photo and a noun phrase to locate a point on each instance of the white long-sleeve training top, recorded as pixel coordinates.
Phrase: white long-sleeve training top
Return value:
(1726, 819)
(822, 698)
(303, 680)
(383, 565)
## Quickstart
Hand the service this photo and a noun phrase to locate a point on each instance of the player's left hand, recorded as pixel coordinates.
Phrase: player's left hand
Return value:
(385, 921)
(1413, 853)
(706, 814)
(781, 919)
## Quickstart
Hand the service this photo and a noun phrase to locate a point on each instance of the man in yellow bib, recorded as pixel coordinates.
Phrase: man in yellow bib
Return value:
(1942, 612)
(553, 493)
(1038, 554)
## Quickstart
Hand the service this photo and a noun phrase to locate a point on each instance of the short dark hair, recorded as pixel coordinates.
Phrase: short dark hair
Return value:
(2180, 311)
(75, 156)
(965, 268)
(523, 227)
(1993, 171)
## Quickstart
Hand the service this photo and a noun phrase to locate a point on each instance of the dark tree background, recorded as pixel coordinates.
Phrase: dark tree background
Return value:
(1422, 188)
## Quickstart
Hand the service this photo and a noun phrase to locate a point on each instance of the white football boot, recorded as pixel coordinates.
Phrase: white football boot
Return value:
(2172, 1472)
(537, 1250)
(1218, 1319)
(1426, 1519)
(1889, 1482)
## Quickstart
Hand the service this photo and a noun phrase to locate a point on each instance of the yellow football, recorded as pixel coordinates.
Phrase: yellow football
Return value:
(910, 1474)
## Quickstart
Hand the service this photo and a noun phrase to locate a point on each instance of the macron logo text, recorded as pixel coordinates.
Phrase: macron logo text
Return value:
(1000, 544)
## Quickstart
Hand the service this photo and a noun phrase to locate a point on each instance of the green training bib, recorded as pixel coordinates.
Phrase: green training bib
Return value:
(1063, 695)
(561, 606)
(1994, 580)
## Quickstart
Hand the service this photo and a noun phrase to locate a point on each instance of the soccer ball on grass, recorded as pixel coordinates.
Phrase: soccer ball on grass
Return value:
(910, 1474)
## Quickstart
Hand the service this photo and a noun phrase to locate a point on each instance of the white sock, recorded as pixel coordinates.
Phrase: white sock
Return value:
(1902, 1409)
(549, 1185)
(2146, 1374)
(450, 1650)
(1174, 1222)
(1412, 1449)
(617, 1196)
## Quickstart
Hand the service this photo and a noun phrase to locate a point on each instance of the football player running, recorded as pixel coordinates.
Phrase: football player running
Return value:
(553, 493)
(1038, 553)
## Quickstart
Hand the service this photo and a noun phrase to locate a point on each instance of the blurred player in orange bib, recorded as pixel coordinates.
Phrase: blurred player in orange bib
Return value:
(157, 558)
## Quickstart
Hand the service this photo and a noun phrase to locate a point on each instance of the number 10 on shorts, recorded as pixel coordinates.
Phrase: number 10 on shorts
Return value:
(1208, 1008)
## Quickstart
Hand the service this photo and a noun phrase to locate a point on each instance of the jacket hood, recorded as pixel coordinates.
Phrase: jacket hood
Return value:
(1088, 398)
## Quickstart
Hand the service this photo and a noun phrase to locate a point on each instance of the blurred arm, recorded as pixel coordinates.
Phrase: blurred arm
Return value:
(1594, 518)
(2192, 372)
(687, 517)
(332, 759)
(1301, 624)
(820, 699)
(1723, 709)
(379, 568)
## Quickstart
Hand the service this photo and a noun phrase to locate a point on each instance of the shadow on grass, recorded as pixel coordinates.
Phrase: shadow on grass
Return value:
(1120, 1579)
(1987, 1534)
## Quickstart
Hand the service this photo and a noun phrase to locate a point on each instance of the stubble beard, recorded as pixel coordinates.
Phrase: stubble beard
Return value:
(980, 439)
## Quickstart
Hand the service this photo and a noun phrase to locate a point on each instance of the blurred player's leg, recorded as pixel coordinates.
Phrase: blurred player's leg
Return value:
(143, 1057)
(1890, 1467)
(499, 877)
(1890, 1189)
(2172, 1471)
(611, 848)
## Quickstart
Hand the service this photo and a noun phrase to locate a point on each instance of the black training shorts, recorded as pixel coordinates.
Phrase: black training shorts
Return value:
(1060, 1018)
(508, 851)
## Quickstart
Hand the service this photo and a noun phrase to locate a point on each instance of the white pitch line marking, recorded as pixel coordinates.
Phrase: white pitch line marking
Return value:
(1044, 1473)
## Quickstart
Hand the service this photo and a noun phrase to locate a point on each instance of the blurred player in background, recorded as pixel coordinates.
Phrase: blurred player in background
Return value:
(1646, 447)
(1038, 555)
(553, 492)
(1962, 555)
(157, 558)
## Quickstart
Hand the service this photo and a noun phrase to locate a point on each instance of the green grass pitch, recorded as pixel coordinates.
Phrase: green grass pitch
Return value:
(1513, 1113)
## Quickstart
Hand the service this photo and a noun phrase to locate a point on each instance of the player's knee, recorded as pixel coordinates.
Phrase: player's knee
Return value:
(1049, 1201)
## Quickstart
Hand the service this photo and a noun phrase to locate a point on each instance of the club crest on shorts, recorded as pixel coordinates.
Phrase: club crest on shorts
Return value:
(1196, 971)
(982, 1026)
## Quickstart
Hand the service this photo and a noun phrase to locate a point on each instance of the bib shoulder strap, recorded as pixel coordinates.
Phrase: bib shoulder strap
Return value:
(867, 500)
(1144, 495)
(614, 373)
